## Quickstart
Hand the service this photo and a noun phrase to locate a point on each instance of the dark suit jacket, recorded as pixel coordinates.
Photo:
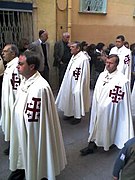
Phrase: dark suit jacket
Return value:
(58, 52)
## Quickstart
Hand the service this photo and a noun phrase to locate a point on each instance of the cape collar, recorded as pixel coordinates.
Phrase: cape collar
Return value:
(26, 83)
(109, 76)
(9, 64)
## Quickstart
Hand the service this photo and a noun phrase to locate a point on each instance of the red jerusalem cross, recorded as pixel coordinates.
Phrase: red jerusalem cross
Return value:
(127, 59)
(116, 94)
(15, 81)
(33, 110)
(76, 73)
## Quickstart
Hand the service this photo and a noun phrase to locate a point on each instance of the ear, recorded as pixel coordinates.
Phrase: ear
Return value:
(78, 49)
(32, 66)
(13, 54)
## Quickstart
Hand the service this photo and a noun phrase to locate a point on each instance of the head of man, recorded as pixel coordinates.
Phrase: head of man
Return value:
(120, 41)
(23, 44)
(66, 37)
(84, 45)
(75, 47)
(126, 44)
(43, 35)
(9, 52)
(100, 46)
(112, 62)
(28, 64)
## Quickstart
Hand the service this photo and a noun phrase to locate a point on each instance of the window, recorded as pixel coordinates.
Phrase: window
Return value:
(93, 6)
(15, 23)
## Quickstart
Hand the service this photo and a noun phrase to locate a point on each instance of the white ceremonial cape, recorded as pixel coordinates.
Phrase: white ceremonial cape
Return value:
(133, 101)
(74, 95)
(125, 62)
(111, 120)
(36, 143)
(10, 84)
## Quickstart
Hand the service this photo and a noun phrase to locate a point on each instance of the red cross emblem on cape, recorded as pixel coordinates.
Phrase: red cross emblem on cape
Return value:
(15, 81)
(33, 110)
(116, 94)
(77, 73)
(127, 60)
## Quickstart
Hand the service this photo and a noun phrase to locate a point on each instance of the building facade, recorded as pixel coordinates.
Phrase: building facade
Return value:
(90, 20)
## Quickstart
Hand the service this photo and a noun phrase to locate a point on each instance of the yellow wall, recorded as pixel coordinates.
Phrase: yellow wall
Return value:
(94, 28)
(90, 27)
(45, 18)
(61, 23)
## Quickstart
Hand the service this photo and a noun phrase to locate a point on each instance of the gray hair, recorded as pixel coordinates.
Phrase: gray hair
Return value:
(66, 34)
(14, 49)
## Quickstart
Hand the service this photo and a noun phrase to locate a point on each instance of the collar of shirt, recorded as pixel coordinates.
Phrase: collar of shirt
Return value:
(110, 75)
(13, 61)
(121, 48)
(26, 83)
(41, 42)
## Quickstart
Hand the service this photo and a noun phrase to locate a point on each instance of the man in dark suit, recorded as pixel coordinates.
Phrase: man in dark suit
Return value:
(44, 52)
(62, 55)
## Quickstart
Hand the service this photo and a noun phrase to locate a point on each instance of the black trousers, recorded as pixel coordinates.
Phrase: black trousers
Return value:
(45, 73)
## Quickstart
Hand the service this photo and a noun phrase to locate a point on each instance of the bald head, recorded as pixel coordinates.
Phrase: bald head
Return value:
(66, 37)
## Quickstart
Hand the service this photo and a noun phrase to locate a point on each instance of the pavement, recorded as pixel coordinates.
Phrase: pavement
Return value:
(97, 166)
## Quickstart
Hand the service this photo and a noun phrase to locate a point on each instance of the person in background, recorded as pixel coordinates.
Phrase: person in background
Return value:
(124, 167)
(33, 47)
(36, 146)
(62, 55)
(44, 48)
(74, 95)
(126, 44)
(84, 46)
(23, 45)
(124, 56)
(91, 50)
(99, 62)
(111, 120)
(132, 81)
(132, 48)
(108, 49)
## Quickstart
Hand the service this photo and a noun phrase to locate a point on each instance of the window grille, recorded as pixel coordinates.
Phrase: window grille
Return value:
(14, 26)
(93, 6)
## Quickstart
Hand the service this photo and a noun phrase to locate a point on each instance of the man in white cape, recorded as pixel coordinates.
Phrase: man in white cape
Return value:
(10, 84)
(36, 146)
(111, 120)
(124, 54)
(74, 95)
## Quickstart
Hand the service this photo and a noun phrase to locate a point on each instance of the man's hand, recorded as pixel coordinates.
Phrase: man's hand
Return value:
(115, 178)
(61, 62)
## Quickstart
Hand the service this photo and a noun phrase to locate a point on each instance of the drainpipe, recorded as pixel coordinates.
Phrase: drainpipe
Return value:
(69, 16)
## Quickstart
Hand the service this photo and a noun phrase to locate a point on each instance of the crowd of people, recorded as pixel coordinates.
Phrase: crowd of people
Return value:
(29, 111)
